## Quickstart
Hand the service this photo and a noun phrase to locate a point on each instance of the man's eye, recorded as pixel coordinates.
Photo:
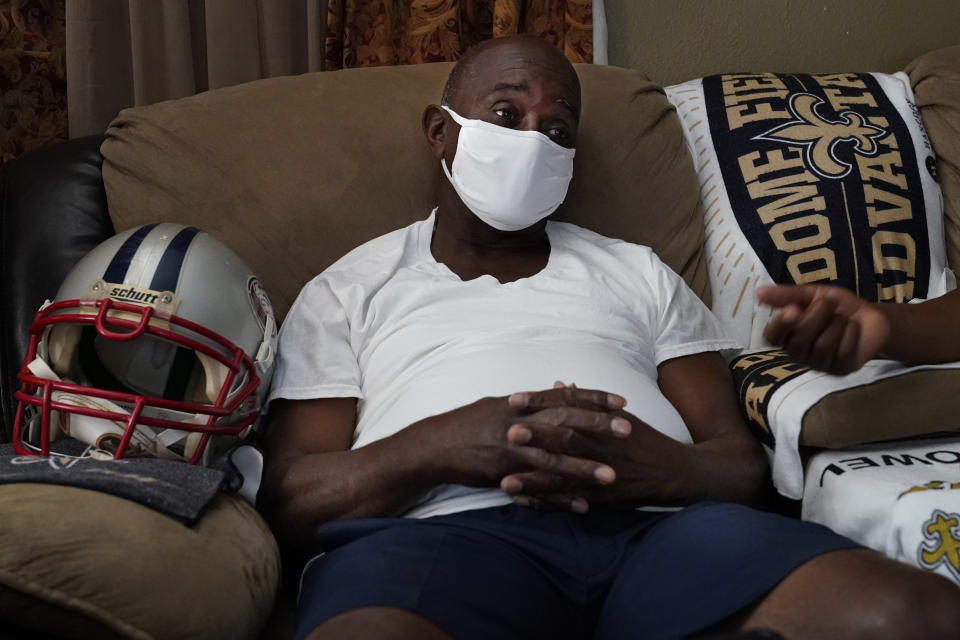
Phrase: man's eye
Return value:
(505, 116)
(560, 136)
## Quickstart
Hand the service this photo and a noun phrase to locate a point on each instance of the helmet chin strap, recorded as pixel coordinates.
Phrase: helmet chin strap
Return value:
(102, 432)
(41, 369)
(98, 432)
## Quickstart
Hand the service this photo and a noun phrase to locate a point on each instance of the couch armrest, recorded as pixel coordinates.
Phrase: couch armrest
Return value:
(53, 210)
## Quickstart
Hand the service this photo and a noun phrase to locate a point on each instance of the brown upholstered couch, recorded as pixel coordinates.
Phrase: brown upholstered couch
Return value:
(293, 172)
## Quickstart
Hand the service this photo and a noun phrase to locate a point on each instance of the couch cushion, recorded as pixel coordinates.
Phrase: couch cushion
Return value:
(82, 564)
(920, 401)
(293, 172)
(936, 84)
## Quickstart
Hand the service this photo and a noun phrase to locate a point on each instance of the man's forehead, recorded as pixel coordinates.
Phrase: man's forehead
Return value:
(519, 63)
(493, 73)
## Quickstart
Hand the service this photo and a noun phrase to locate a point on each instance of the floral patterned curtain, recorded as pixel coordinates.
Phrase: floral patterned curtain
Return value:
(33, 83)
(356, 33)
(365, 33)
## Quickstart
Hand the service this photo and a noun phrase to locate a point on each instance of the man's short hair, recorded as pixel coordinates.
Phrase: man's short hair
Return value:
(465, 64)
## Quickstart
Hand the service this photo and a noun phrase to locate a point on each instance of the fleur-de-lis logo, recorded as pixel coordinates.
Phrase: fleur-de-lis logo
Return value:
(821, 136)
(942, 546)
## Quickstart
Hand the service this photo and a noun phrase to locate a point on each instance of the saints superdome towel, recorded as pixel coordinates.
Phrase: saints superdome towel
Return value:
(812, 179)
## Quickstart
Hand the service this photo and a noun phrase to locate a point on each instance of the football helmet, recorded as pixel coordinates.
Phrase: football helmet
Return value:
(158, 339)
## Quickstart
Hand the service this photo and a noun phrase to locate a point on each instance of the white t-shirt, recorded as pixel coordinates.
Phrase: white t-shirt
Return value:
(391, 326)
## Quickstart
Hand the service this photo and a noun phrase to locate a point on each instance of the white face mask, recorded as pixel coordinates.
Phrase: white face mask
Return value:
(510, 179)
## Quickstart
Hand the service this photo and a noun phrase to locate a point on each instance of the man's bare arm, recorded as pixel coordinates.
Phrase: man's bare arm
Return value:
(311, 476)
(924, 332)
(725, 462)
(831, 329)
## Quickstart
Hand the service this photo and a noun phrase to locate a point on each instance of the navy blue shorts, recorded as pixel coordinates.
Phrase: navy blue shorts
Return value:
(512, 572)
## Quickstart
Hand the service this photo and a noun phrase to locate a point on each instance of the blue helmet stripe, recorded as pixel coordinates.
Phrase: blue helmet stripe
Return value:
(168, 269)
(117, 269)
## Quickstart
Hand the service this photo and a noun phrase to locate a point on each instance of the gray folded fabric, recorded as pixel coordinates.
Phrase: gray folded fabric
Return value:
(176, 489)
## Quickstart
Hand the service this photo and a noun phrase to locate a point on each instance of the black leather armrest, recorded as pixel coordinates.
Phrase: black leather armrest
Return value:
(53, 210)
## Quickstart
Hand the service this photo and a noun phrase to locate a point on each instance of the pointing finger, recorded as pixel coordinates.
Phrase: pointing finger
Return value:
(781, 295)
(782, 325)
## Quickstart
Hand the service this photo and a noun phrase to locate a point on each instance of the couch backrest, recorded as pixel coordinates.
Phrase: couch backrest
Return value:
(293, 172)
(935, 77)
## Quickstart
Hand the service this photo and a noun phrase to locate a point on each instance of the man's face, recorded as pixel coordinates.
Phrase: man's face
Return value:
(520, 85)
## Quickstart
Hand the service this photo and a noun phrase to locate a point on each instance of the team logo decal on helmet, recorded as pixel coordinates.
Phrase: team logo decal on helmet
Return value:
(158, 340)
(259, 301)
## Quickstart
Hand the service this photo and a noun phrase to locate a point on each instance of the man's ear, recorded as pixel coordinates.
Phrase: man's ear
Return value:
(435, 129)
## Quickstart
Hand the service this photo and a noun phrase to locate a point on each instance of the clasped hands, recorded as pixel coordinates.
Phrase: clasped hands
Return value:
(578, 433)
(560, 448)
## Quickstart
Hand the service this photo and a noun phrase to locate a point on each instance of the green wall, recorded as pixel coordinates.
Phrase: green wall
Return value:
(673, 41)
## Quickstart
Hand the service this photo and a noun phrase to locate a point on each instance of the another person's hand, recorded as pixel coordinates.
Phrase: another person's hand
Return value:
(471, 446)
(826, 327)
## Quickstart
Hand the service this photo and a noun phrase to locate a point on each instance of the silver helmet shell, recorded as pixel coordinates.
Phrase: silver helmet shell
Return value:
(158, 339)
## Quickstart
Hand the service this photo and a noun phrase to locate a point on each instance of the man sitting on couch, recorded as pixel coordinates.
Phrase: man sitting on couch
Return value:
(452, 501)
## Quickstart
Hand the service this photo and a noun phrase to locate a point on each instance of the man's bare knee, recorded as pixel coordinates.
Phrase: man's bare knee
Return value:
(922, 605)
(388, 623)
(858, 594)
